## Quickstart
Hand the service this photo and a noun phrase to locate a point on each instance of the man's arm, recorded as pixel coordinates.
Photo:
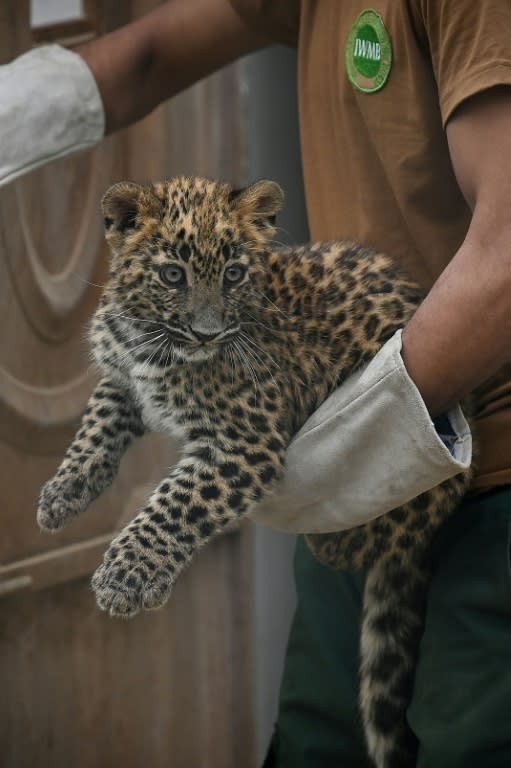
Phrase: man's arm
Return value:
(340, 472)
(461, 334)
(69, 99)
(140, 65)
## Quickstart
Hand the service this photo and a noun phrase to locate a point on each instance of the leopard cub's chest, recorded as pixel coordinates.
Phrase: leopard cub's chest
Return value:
(161, 407)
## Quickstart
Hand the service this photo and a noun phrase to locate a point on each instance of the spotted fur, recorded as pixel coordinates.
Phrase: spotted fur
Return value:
(207, 332)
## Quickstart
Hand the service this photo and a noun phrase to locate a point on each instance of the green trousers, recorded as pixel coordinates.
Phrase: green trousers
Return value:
(461, 706)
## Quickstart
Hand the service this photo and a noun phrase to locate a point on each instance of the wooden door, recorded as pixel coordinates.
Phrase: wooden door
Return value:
(170, 688)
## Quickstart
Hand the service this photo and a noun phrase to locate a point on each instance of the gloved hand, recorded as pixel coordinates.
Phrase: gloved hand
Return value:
(370, 447)
(50, 106)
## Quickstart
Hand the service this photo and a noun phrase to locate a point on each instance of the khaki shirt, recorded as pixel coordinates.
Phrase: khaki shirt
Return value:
(376, 164)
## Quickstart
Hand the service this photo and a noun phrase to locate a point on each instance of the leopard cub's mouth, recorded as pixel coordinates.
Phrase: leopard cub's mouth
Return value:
(214, 337)
(195, 346)
(182, 342)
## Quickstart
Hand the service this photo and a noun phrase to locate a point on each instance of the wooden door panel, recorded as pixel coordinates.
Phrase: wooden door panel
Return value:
(78, 687)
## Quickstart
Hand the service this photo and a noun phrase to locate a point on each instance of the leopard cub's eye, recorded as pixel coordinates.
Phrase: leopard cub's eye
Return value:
(173, 275)
(234, 274)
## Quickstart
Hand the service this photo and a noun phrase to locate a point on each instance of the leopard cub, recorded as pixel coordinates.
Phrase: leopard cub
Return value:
(208, 332)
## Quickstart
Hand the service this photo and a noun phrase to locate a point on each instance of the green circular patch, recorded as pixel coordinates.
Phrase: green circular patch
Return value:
(368, 53)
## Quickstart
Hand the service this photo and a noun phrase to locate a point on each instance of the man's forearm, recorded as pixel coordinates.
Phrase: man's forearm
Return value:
(68, 99)
(140, 65)
(461, 334)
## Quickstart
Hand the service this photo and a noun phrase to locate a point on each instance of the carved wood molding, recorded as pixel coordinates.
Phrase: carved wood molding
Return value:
(62, 290)
(52, 260)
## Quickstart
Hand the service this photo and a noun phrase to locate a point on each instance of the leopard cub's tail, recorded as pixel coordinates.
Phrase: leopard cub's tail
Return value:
(392, 625)
(394, 607)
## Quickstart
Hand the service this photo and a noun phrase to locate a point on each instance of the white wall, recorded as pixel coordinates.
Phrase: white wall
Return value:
(51, 11)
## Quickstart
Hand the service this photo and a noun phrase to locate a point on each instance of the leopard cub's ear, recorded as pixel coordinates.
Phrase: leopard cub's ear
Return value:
(124, 206)
(259, 204)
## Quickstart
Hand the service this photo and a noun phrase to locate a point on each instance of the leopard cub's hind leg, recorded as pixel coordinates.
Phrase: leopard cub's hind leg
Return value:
(394, 552)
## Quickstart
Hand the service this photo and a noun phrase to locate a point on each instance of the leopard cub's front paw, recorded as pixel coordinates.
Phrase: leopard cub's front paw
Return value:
(132, 577)
(60, 501)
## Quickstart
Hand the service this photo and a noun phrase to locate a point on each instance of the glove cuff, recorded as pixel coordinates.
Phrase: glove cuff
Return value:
(50, 106)
(370, 447)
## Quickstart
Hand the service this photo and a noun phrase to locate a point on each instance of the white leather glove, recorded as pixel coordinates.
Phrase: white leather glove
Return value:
(370, 447)
(50, 106)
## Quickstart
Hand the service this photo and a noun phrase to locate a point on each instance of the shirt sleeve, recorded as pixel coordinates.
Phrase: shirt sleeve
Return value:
(279, 21)
(469, 42)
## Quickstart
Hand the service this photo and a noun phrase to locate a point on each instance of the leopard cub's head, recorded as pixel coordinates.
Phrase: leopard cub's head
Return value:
(186, 255)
